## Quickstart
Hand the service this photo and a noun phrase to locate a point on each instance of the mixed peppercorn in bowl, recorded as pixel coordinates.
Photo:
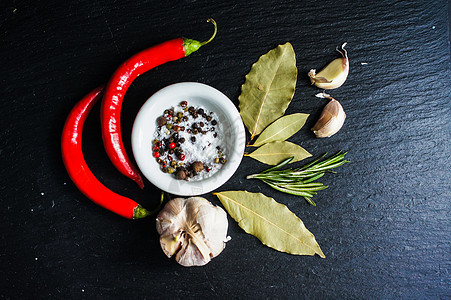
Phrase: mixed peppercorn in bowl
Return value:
(188, 139)
(188, 142)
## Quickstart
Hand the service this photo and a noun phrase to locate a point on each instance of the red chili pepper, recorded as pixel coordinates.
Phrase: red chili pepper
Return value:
(79, 171)
(120, 82)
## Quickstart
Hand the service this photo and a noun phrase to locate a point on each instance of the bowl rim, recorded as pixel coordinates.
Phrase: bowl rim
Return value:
(147, 164)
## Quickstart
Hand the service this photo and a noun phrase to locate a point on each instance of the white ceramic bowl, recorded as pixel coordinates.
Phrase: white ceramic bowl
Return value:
(197, 94)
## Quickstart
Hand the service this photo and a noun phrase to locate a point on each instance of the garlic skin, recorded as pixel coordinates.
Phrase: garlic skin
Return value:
(334, 74)
(331, 120)
(193, 229)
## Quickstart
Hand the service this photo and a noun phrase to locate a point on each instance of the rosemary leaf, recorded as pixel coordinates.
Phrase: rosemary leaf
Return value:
(300, 181)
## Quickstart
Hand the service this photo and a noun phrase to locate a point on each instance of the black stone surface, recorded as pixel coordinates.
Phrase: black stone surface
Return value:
(383, 223)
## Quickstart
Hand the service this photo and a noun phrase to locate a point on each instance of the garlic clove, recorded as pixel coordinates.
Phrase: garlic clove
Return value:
(334, 74)
(170, 244)
(193, 229)
(331, 120)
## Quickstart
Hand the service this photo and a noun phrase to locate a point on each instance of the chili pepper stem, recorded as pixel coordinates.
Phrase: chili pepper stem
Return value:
(140, 212)
(191, 46)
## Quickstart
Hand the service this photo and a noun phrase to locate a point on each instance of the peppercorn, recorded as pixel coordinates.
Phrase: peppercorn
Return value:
(201, 124)
(182, 128)
(183, 103)
(161, 121)
(197, 166)
(180, 175)
(200, 111)
(170, 170)
(177, 128)
(195, 131)
(169, 126)
(222, 160)
(214, 122)
(175, 119)
(217, 160)
(179, 115)
(193, 139)
(208, 118)
(182, 140)
(166, 111)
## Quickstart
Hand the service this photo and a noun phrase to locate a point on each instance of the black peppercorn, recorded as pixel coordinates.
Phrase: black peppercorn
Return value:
(214, 122)
(193, 139)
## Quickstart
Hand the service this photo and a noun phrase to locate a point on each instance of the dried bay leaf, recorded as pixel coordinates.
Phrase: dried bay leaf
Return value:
(268, 89)
(271, 222)
(281, 129)
(275, 152)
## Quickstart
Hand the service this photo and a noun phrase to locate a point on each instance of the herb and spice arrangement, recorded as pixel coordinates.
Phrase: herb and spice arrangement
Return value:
(189, 146)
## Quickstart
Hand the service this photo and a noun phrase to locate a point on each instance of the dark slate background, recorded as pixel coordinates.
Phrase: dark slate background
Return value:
(384, 222)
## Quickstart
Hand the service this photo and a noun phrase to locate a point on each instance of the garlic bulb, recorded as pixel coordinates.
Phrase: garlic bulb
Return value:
(331, 120)
(193, 229)
(334, 74)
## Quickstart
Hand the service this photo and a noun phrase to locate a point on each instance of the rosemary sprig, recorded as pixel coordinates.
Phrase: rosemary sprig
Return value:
(300, 181)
